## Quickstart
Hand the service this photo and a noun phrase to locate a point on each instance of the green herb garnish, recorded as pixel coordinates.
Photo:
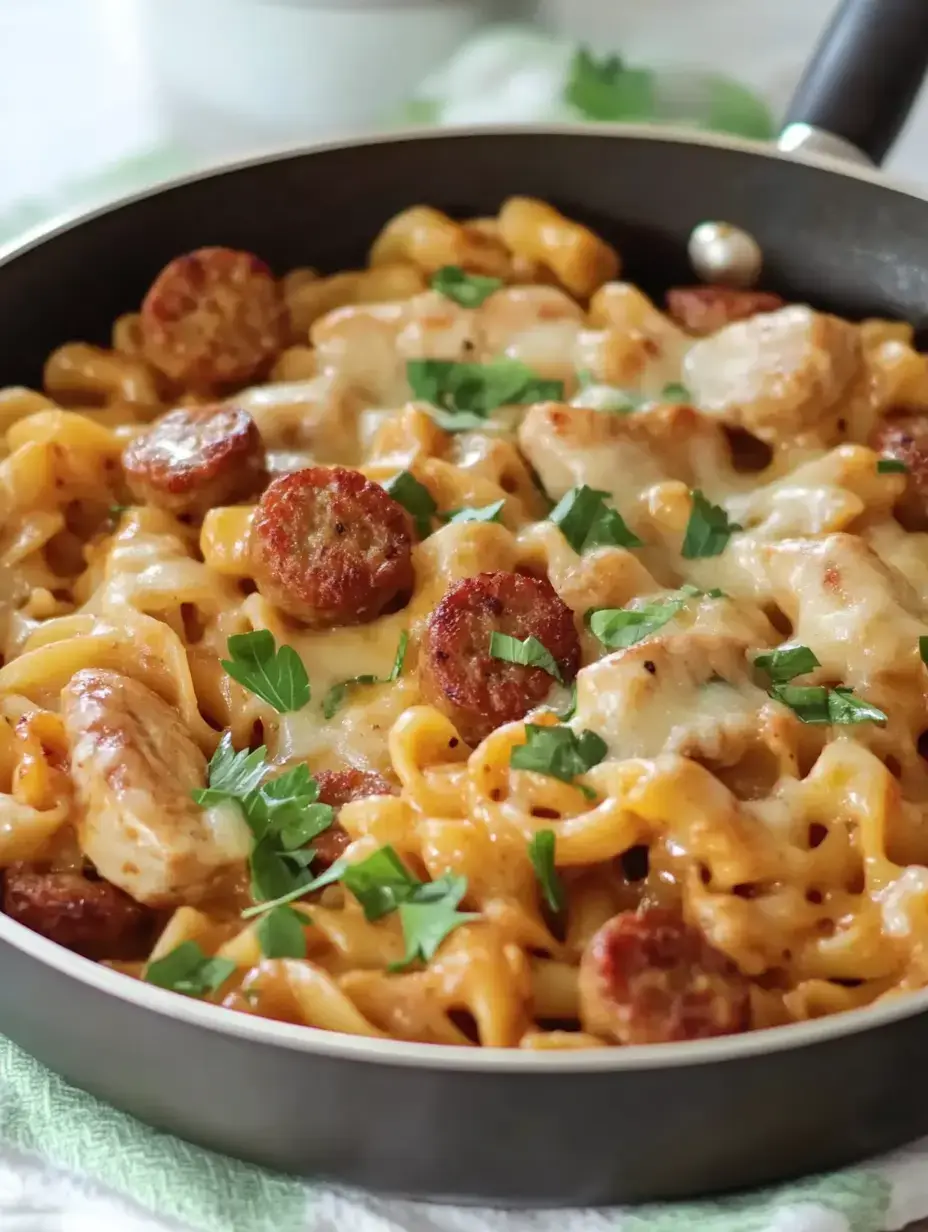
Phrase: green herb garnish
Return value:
(587, 522)
(429, 915)
(278, 677)
(619, 627)
(923, 649)
(465, 394)
(606, 90)
(338, 692)
(280, 933)
(559, 753)
(708, 529)
(541, 853)
(529, 653)
(188, 970)
(415, 498)
(468, 290)
(483, 513)
(891, 466)
(570, 707)
(784, 664)
(817, 704)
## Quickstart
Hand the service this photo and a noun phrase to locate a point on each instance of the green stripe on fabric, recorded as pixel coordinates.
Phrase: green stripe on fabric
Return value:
(40, 1113)
(860, 1196)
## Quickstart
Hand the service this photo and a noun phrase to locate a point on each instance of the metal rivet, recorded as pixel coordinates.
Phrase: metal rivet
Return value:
(722, 253)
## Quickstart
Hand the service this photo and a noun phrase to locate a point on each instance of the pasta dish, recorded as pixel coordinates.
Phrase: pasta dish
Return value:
(468, 650)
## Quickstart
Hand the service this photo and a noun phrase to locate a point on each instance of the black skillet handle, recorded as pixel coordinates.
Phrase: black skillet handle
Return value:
(865, 74)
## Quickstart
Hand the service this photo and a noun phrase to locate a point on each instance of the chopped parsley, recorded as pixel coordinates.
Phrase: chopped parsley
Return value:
(278, 677)
(676, 393)
(187, 969)
(817, 704)
(923, 649)
(463, 395)
(383, 884)
(891, 466)
(338, 692)
(482, 513)
(415, 498)
(468, 290)
(587, 522)
(283, 815)
(280, 933)
(708, 529)
(529, 653)
(784, 664)
(620, 627)
(541, 853)
(559, 752)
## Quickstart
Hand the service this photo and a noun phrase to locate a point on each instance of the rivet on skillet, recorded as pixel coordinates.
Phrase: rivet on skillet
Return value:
(724, 254)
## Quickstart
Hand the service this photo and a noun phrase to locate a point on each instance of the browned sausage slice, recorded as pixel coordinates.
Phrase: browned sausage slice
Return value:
(904, 435)
(648, 978)
(458, 674)
(212, 318)
(331, 548)
(195, 458)
(92, 918)
(338, 787)
(704, 310)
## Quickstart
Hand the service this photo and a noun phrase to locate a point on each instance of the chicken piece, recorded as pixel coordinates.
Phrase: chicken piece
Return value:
(134, 766)
(692, 694)
(775, 375)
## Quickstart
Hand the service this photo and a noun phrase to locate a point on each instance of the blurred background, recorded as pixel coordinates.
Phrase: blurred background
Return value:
(98, 96)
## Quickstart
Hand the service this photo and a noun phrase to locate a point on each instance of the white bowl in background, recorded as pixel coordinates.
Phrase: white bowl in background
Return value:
(234, 73)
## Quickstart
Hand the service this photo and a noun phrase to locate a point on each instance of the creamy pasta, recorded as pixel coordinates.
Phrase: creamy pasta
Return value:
(465, 650)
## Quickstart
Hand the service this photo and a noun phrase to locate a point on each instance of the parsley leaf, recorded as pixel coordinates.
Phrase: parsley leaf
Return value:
(559, 752)
(465, 394)
(283, 814)
(816, 704)
(187, 969)
(278, 677)
(280, 933)
(116, 511)
(606, 90)
(923, 649)
(529, 653)
(382, 884)
(429, 915)
(619, 627)
(891, 466)
(586, 521)
(468, 290)
(483, 513)
(231, 774)
(784, 664)
(541, 853)
(415, 498)
(338, 692)
(708, 529)
(674, 392)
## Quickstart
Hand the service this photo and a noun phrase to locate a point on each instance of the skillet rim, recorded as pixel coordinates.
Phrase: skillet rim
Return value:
(256, 157)
(336, 1045)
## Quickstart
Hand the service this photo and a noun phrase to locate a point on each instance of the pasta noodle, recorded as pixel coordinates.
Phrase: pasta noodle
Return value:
(463, 650)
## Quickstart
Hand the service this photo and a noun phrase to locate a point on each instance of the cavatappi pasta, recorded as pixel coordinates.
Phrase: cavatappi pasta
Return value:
(465, 650)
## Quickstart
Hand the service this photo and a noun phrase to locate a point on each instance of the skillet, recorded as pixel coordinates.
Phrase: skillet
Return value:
(612, 1125)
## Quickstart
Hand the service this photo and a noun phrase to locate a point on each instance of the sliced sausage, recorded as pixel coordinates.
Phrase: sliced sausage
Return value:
(459, 675)
(338, 787)
(92, 918)
(195, 458)
(704, 310)
(212, 318)
(648, 978)
(904, 435)
(331, 548)
(134, 766)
